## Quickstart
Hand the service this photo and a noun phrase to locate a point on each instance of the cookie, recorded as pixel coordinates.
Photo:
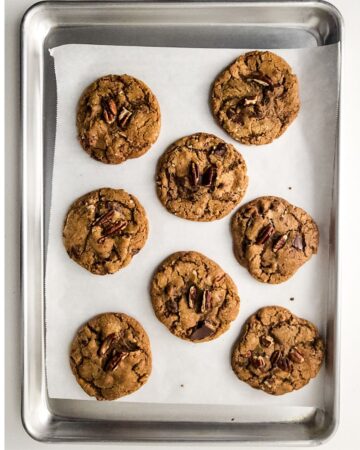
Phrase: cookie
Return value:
(118, 118)
(201, 177)
(256, 98)
(104, 229)
(193, 297)
(277, 352)
(273, 238)
(110, 356)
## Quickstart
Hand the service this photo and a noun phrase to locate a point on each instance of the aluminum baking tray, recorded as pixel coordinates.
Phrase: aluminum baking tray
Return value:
(167, 24)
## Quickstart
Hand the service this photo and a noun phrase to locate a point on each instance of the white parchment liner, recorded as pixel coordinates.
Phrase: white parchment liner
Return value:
(298, 166)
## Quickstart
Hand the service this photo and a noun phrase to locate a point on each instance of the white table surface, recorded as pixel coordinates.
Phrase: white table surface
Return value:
(348, 434)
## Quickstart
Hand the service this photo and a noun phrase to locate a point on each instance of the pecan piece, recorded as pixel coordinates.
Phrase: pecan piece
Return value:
(296, 356)
(251, 100)
(266, 341)
(192, 295)
(115, 360)
(257, 361)
(105, 218)
(265, 234)
(109, 110)
(209, 176)
(124, 117)
(261, 79)
(284, 364)
(298, 242)
(275, 357)
(115, 228)
(206, 301)
(106, 344)
(194, 174)
(279, 244)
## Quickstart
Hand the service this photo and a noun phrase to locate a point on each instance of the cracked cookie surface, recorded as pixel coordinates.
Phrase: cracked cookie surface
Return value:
(277, 352)
(273, 238)
(104, 229)
(118, 118)
(256, 98)
(201, 178)
(110, 356)
(193, 297)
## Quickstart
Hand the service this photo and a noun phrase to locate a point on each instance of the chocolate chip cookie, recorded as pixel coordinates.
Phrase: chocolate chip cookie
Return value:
(201, 177)
(110, 356)
(256, 98)
(104, 229)
(193, 297)
(273, 238)
(277, 352)
(118, 118)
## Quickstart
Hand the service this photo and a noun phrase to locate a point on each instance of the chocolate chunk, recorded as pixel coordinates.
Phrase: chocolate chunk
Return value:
(203, 330)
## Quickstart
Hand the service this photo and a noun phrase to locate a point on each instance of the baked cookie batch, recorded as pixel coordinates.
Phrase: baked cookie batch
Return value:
(199, 178)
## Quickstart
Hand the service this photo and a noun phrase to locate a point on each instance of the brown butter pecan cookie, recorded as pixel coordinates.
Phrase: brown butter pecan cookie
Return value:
(104, 229)
(110, 356)
(277, 352)
(118, 118)
(201, 177)
(256, 98)
(273, 238)
(193, 297)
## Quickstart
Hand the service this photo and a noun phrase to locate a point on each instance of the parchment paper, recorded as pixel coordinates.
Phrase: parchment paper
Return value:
(298, 166)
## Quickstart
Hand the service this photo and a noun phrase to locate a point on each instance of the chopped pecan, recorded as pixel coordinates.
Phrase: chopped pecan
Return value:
(109, 110)
(261, 79)
(284, 364)
(275, 357)
(266, 341)
(298, 242)
(192, 295)
(105, 218)
(124, 117)
(115, 360)
(257, 361)
(115, 228)
(106, 344)
(279, 244)
(220, 149)
(265, 234)
(296, 356)
(206, 301)
(194, 174)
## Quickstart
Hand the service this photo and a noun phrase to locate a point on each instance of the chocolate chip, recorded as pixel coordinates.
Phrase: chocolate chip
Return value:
(172, 306)
(203, 330)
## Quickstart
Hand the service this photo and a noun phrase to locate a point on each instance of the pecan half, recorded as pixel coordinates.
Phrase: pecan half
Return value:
(298, 242)
(275, 357)
(192, 295)
(209, 176)
(280, 243)
(284, 364)
(296, 356)
(115, 360)
(124, 117)
(105, 218)
(206, 301)
(109, 110)
(106, 344)
(265, 234)
(115, 228)
(194, 174)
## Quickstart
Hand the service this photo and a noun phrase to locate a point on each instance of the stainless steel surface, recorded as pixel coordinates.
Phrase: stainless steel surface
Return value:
(203, 24)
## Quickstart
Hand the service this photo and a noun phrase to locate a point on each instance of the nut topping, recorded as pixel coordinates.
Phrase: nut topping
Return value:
(194, 174)
(266, 341)
(106, 344)
(209, 176)
(280, 243)
(192, 297)
(257, 361)
(296, 356)
(172, 306)
(284, 364)
(265, 234)
(110, 110)
(105, 218)
(206, 301)
(247, 101)
(261, 79)
(115, 360)
(220, 149)
(298, 242)
(274, 358)
(124, 117)
(116, 227)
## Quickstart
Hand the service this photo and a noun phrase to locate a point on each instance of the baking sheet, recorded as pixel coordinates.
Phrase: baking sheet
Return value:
(302, 160)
